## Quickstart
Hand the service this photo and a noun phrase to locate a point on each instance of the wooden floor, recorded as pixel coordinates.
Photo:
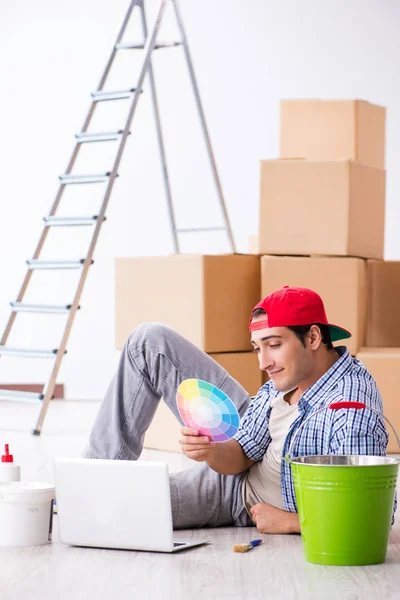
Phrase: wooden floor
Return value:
(277, 569)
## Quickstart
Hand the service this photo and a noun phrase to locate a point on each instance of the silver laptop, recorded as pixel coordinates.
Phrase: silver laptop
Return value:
(118, 504)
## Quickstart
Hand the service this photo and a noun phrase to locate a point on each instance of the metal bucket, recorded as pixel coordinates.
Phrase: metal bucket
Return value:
(344, 502)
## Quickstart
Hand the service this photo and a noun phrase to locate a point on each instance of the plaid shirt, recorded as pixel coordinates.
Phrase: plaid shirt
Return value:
(344, 431)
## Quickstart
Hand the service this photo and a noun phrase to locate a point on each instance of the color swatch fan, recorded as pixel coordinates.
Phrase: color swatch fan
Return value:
(208, 409)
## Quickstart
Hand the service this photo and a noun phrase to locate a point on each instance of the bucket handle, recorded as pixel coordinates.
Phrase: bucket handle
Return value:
(337, 406)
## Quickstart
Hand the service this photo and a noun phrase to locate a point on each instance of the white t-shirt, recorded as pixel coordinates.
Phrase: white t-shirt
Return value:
(263, 481)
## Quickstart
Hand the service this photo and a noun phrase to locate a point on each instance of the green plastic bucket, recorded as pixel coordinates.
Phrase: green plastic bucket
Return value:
(345, 503)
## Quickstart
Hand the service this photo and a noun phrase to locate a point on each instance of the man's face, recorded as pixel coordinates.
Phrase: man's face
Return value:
(282, 355)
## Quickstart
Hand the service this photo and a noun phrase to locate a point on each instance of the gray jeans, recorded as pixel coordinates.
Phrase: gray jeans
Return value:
(153, 363)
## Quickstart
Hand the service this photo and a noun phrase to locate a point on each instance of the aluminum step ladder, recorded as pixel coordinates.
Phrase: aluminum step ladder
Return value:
(107, 179)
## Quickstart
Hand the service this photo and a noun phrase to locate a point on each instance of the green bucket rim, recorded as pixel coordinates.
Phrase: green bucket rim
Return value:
(381, 461)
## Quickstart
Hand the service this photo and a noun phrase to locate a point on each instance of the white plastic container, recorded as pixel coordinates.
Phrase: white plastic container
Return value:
(26, 513)
(8, 470)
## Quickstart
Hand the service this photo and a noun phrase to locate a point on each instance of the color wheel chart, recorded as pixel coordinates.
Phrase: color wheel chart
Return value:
(208, 409)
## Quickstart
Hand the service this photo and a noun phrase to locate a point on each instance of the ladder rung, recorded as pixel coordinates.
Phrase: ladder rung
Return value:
(108, 136)
(41, 308)
(200, 229)
(21, 396)
(140, 45)
(29, 352)
(70, 221)
(69, 179)
(101, 96)
(55, 264)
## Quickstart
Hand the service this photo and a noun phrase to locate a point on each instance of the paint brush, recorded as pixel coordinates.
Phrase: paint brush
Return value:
(246, 547)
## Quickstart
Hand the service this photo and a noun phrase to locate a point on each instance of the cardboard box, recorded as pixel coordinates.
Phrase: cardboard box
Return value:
(383, 316)
(208, 299)
(333, 129)
(384, 366)
(244, 367)
(341, 283)
(164, 431)
(331, 208)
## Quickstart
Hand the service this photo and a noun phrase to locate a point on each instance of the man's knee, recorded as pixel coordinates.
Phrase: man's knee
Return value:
(150, 332)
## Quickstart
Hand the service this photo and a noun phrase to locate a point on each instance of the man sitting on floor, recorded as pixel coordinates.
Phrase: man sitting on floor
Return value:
(245, 481)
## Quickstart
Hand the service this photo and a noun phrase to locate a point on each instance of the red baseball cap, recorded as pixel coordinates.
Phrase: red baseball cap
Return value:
(293, 306)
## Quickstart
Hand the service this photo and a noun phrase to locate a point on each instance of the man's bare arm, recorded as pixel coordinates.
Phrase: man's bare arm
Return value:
(226, 458)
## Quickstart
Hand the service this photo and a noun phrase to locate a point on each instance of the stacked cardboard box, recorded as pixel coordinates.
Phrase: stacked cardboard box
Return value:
(322, 206)
(332, 207)
(208, 299)
(322, 212)
(381, 353)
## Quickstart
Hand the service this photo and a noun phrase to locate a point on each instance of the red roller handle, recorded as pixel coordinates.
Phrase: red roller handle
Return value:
(346, 404)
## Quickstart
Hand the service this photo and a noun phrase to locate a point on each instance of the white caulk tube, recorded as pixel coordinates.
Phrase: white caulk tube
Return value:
(8, 470)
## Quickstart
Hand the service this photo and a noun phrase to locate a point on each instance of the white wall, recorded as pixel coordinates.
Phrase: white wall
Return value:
(247, 55)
